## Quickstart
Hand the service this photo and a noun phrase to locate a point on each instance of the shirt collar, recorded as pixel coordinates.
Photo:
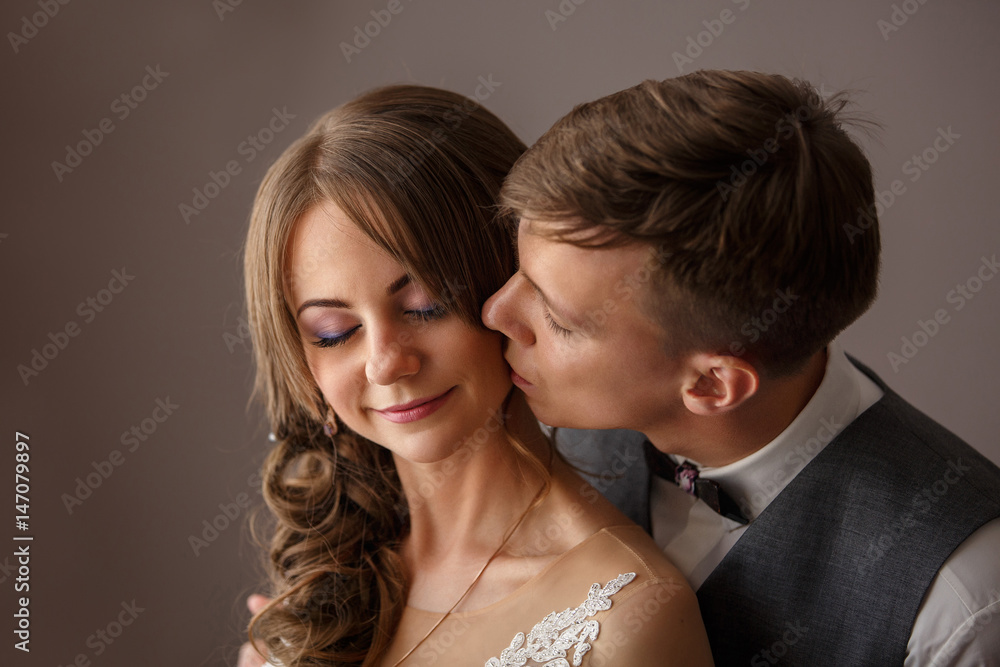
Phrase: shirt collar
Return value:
(843, 394)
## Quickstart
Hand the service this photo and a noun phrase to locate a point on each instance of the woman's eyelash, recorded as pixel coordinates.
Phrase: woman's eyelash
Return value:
(562, 331)
(435, 312)
(334, 341)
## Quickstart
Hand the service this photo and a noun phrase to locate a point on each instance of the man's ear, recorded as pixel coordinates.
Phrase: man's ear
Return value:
(718, 383)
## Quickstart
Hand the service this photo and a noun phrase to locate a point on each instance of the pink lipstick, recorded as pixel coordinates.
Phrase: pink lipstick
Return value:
(415, 410)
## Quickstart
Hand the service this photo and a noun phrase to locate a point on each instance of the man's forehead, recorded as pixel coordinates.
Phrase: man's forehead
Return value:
(539, 244)
(528, 227)
(554, 238)
(549, 228)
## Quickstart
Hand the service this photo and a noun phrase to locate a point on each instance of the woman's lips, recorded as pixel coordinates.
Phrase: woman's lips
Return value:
(415, 410)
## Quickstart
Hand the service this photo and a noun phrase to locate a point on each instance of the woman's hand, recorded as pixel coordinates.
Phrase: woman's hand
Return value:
(249, 657)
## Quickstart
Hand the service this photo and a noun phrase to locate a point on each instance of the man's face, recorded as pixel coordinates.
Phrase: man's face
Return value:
(581, 348)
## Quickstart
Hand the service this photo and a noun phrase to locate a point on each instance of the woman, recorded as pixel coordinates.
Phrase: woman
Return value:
(422, 516)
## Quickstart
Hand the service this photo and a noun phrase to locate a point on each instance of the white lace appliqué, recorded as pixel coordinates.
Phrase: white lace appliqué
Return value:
(549, 640)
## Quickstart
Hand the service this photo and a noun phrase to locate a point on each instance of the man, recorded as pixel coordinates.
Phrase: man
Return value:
(689, 250)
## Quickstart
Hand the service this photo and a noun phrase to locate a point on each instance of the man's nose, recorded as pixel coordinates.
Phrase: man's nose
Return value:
(506, 312)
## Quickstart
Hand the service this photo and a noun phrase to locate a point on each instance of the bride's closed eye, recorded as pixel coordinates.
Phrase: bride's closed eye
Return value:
(335, 339)
(434, 311)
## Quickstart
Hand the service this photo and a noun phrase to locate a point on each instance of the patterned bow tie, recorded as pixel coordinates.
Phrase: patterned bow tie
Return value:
(686, 477)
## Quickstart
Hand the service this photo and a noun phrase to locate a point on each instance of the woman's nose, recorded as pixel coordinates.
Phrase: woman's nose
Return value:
(390, 359)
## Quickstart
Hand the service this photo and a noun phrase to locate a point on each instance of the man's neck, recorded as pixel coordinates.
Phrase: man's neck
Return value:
(719, 440)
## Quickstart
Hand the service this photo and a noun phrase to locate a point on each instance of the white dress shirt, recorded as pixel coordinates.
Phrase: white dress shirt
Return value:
(958, 622)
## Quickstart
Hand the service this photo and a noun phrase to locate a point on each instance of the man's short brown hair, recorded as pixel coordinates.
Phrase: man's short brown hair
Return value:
(756, 199)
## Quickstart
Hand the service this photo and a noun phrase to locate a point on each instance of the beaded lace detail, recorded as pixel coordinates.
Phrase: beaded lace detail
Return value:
(548, 642)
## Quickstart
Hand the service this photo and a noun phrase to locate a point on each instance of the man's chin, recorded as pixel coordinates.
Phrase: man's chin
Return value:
(560, 419)
(547, 415)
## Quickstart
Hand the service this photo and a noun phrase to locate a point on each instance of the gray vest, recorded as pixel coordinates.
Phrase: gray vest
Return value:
(833, 571)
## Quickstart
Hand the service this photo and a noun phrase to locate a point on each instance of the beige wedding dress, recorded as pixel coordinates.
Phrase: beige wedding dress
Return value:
(610, 600)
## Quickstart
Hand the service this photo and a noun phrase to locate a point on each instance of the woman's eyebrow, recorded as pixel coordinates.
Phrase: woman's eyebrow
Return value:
(394, 287)
(322, 303)
(398, 284)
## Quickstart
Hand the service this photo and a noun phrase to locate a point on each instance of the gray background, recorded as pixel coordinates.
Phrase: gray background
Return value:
(174, 331)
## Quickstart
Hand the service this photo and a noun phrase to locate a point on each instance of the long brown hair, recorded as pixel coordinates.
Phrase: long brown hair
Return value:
(418, 170)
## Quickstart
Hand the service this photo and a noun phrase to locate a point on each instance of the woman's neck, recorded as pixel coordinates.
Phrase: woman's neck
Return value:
(461, 506)
(461, 513)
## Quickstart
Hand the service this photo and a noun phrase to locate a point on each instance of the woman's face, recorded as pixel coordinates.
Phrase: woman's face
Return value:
(395, 366)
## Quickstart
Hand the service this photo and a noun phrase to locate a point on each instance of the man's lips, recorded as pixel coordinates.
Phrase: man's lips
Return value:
(416, 409)
(519, 381)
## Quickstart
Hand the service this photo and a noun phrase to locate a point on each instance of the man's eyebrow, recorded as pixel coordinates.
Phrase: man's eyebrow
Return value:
(563, 314)
(394, 287)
